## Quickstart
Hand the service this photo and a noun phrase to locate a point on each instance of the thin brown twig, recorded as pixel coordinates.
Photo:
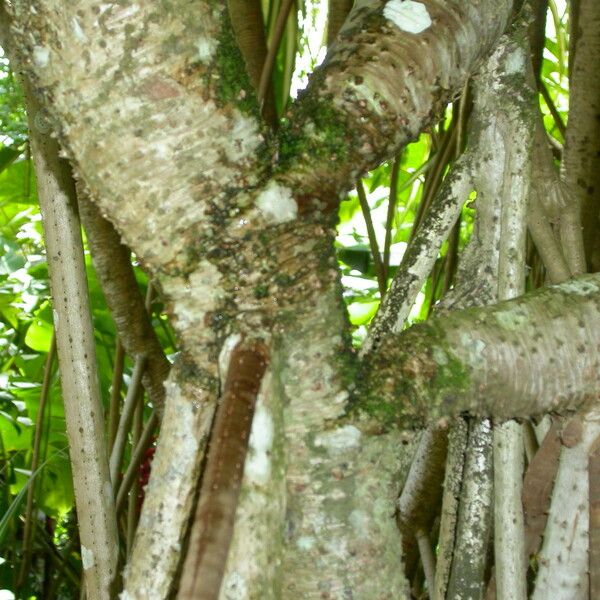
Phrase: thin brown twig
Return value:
(560, 124)
(136, 459)
(362, 198)
(115, 394)
(389, 221)
(131, 401)
(267, 71)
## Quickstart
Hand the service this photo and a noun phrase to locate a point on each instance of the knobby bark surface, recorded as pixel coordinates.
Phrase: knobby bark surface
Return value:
(238, 227)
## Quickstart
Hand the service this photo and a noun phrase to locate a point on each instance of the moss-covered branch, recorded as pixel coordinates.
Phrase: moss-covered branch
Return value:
(524, 357)
(392, 69)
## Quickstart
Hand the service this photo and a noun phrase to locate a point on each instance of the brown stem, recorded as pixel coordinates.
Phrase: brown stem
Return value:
(136, 460)
(558, 120)
(338, 11)
(269, 63)
(581, 158)
(129, 406)
(248, 25)
(113, 266)
(214, 516)
(391, 212)
(379, 268)
(537, 34)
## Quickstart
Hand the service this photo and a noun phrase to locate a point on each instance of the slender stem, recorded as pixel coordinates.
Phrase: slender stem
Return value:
(434, 177)
(560, 124)
(28, 533)
(427, 558)
(131, 401)
(136, 459)
(379, 269)
(267, 71)
(115, 394)
(77, 356)
(133, 509)
(391, 212)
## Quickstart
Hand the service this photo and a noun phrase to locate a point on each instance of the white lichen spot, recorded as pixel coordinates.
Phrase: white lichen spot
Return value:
(305, 542)
(515, 62)
(359, 520)
(206, 48)
(87, 558)
(225, 355)
(78, 31)
(579, 288)
(339, 440)
(439, 356)
(276, 203)
(258, 462)
(244, 137)
(125, 596)
(511, 319)
(195, 296)
(475, 345)
(341, 397)
(407, 15)
(234, 586)
(41, 56)
(107, 490)
(55, 318)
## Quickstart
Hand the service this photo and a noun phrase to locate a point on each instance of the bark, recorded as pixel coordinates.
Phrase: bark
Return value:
(457, 443)
(249, 28)
(379, 86)
(594, 503)
(112, 261)
(235, 262)
(445, 367)
(566, 536)
(77, 359)
(537, 489)
(473, 528)
(581, 159)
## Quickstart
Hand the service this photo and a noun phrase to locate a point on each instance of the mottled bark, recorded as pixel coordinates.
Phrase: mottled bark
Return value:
(581, 157)
(77, 359)
(419, 502)
(474, 524)
(444, 367)
(238, 255)
(566, 537)
(379, 85)
(453, 478)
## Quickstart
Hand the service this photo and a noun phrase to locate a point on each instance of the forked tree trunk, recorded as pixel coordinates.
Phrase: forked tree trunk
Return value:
(238, 229)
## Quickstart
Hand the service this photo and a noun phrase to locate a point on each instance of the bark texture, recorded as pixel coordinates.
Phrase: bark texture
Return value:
(441, 368)
(77, 359)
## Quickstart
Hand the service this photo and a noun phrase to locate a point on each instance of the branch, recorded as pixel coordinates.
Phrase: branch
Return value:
(380, 85)
(168, 88)
(519, 358)
(581, 157)
(77, 358)
(248, 24)
(112, 261)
